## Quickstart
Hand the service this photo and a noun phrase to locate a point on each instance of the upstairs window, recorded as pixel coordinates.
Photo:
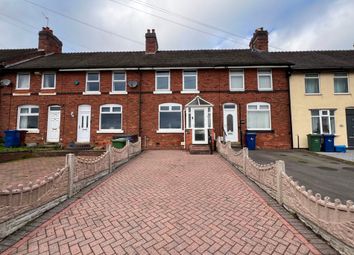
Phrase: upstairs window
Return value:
(323, 121)
(170, 117)
(190, 80)
(162, 79)
(28, 116)
(341, 83)
(111, 117)
(48, 81)
(265, 79)
(237, 81)
(312, 83)
(119, 82)
(93, 82)
(23, 81)
(258, 116)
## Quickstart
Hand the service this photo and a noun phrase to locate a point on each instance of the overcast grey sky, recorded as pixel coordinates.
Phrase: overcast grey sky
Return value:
(116, 25)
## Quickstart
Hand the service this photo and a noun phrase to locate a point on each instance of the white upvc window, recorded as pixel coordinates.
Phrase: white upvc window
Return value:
(23, 81)
(265, 81)
(111, 118)
(237, 80)
(170, 118)
(93, 83)
(162, 82)
(258, 116)
(323, 122)
(341, 83)
(48, 80)
(28, 118)
(312, 83)
(119, 82)
(190, 81)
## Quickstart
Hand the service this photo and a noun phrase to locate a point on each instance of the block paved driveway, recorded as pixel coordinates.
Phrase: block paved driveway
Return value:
(168, 202)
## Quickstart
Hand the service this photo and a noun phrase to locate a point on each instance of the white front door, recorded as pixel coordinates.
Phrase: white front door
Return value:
(230, 122)
(84, 124)
(199, 126)
(53, 126)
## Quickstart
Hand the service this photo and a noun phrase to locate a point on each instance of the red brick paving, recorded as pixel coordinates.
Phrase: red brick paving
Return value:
(168, 202)
(25, 170)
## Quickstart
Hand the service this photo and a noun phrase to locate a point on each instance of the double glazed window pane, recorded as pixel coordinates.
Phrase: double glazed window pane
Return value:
(162, 80)
(93, 83)
(258, 120)
(48, 81)
(190, 80)
(265, 79)
(170, 120)
(340, 83)
(111, 120)
(237, 82)
(312, 84)
(23, 81)
(118, 81)
(316, 125)
(27, 122)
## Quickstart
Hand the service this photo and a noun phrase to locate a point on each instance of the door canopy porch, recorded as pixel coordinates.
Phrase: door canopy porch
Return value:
(199, 102)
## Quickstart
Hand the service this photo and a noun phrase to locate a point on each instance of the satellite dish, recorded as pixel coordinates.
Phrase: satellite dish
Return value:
(132, 84)
(5, 82)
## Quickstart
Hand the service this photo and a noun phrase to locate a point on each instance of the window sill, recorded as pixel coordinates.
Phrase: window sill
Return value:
(30, 131)
(47, 93)
(162, 92)
(313, 94)
(265, 90)
(169, 131)
(190, 92)
(118, 93)
(113, 131)
(259, 131)
(22, 89)
(21, 94)
(341, 94)
(47, 88)
(237, 90)
(91, 93)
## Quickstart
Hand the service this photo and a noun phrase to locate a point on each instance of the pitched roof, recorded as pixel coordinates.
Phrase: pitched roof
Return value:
(326, 59)
(13, 55)
(178, 58)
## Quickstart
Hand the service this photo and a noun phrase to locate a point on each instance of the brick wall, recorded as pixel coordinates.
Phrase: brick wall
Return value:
(213, 87)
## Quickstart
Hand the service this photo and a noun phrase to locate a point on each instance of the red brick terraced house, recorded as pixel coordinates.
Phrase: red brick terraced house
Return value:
(171, 99)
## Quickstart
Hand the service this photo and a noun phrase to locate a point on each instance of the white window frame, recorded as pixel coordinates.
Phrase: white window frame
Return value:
(99, 85)
(237, 73)
(258, 104)
(319, 83)
(29, 80)
(163, 91)
(347, 77)
(170, 130)
(110, 131)
(55, 80)
(261, 72)
(322, 114)
(125, 82)
(190, 91)
(19, 114)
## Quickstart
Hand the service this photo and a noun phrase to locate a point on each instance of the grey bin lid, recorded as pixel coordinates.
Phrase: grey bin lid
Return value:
(123, 139)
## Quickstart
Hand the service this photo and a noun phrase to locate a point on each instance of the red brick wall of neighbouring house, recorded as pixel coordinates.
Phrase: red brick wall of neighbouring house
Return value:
(213, 85)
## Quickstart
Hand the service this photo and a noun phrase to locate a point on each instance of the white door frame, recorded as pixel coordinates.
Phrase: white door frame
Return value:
(84, 123)
(204, 129)
(53, 129)
(233, 135)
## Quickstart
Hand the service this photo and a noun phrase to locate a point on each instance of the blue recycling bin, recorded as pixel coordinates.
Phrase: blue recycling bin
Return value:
(328, 143)
(251, 141)
(12, 138)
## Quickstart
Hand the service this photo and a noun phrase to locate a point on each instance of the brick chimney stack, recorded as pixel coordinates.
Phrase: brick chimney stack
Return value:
(48, 42)
(259, 41)
(151, 45)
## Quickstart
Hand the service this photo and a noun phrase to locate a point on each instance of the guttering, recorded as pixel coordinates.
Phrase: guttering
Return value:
(168, 68)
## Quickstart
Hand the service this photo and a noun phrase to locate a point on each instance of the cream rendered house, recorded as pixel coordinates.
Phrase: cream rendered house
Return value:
(322, 95)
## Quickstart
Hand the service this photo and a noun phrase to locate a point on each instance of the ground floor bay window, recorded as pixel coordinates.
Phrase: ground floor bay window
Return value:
(28, 118)
(323, 122)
